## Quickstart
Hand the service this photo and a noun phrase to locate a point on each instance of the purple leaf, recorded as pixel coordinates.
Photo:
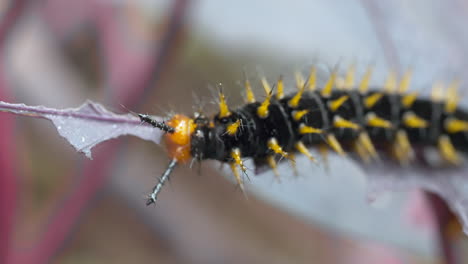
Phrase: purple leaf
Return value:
(88, 125)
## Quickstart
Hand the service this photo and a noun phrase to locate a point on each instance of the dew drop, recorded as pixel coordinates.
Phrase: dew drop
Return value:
(59, 127)
(83, 139)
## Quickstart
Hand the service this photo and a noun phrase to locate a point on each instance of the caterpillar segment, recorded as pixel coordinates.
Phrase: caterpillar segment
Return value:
(372, 125)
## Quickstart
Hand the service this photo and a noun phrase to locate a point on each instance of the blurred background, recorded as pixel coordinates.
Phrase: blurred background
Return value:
(165, 56)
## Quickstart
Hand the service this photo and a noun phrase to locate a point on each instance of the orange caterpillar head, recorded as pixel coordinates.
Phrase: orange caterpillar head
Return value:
(178, 143)
(178, 139)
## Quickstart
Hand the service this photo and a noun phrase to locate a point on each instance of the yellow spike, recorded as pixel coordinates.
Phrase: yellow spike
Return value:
(402, 140)
(339, 83)
(303, 149)
(294, 102)
(405, 81)
(236, 156)
(273, 145)
(303, 129)
(328, 88)
(248, 92)
(262, 110)
(312, 81)
(408, 100)
(343, 123)
(335, 104)
(223, 107)
(237, 162)
(239, 180)
(266, 85)
(452, 97)
(374, 121)
(437, 94)
(349, 79)
(372, 99)
(411, 120)
(362, 153)
(233, 127)
(402, 148)
(390, 84)
(453, 125)
(364, 85)
(299, 80)
(292, 158)
(366, 143)
(297, 115)
(335, 145)
(323, 150)
(272, 163)
(447, 150)
(280, 89)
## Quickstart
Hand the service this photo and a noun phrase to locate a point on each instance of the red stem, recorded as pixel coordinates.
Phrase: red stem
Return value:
(443, 216)
(95, 174)
(8, 186)
(65, 219)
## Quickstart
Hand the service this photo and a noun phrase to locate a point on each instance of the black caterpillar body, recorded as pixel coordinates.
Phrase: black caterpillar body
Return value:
(399, 126)
(212, 141)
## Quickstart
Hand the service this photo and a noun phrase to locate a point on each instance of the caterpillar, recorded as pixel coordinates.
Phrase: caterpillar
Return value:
(366, 122)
